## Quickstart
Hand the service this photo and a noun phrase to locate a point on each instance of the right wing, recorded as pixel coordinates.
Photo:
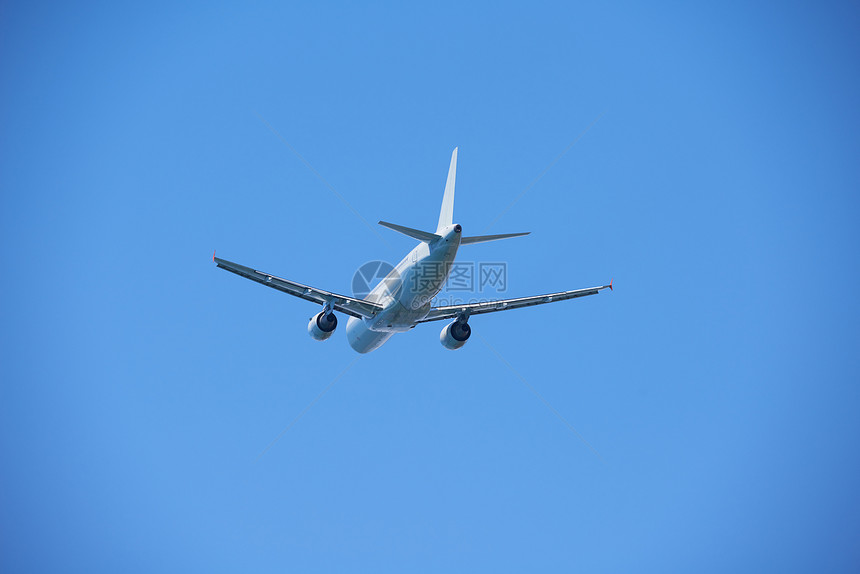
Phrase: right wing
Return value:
(349, 305)
(453, 311)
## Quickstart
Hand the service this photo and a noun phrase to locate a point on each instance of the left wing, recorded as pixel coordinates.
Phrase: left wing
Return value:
(349, 305)
(453, 311)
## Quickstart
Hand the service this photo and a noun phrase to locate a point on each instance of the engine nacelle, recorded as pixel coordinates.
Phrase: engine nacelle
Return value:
(455, 335)
(322, 325)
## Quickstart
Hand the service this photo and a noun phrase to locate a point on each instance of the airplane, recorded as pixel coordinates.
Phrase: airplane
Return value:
(402, 299)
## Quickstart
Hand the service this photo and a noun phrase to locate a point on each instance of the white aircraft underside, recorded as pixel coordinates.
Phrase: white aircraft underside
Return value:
(403, 299)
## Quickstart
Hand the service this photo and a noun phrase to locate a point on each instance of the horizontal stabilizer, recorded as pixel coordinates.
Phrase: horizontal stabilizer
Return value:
(414, 233)
(484, 238)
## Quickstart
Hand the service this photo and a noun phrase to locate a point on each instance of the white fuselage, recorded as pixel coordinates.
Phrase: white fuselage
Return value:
(406, 292)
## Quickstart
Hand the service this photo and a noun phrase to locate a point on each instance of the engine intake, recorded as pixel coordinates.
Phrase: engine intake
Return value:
(322, 326)
(455, 335)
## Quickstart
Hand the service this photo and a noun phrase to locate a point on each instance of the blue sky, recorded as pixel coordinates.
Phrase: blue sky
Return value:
(714, 177)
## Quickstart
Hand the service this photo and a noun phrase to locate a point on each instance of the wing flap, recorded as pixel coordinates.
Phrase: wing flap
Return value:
(349, 305)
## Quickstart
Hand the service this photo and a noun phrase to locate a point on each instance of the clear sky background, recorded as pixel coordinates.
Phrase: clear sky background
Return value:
(714, 176)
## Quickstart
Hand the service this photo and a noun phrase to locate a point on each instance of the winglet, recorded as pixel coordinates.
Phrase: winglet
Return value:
(213, 255)
(610, 284)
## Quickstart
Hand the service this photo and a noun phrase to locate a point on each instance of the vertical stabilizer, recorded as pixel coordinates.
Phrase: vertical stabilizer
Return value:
(446, 216)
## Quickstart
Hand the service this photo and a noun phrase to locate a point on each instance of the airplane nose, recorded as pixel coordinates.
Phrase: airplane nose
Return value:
(457, 228)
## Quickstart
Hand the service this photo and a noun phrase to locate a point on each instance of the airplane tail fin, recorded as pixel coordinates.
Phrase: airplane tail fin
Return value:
(446, 215)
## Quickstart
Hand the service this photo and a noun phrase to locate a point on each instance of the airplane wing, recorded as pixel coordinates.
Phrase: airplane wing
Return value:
(349, 305)
(453, 311)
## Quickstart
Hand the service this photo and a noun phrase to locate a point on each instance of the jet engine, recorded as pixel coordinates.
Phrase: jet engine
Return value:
(322, 325)
(455, 335)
